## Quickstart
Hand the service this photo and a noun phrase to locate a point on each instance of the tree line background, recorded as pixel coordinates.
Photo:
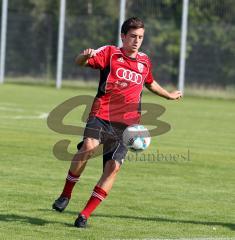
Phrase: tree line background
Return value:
(33, 35)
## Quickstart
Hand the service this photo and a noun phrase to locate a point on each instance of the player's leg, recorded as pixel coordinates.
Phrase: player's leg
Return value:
(85, 150)
(104, 184)
(77, 166)
(99, 193)
(108, 177)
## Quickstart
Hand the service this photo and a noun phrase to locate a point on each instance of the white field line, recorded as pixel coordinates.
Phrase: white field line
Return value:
(38, 116)
(8, 104)
(11, 109)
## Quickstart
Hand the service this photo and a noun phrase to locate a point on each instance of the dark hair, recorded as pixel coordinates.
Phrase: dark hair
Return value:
(131, 23)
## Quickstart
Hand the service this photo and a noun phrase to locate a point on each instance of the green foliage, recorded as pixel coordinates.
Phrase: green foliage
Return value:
(33, 36)
(211, 27)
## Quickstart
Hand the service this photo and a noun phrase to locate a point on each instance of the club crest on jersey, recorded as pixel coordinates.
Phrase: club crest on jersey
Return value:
(140, 67)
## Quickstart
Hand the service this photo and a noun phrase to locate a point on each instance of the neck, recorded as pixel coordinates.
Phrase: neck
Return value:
(130, 53)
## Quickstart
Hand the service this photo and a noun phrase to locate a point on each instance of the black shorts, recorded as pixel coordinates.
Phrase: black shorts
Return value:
(110, 135)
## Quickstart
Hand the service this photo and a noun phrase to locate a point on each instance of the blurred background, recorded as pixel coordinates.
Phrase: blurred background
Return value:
(33, 27)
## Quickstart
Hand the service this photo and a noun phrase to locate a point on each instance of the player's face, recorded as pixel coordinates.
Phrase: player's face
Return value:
(133, 40)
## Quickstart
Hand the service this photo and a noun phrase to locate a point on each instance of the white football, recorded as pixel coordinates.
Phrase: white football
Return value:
(136, 137)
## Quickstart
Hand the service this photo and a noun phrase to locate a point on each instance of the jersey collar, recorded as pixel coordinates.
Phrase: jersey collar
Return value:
(130, 58)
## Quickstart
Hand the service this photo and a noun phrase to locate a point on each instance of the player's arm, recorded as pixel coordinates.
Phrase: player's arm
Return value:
(160, 91)
(82, 59)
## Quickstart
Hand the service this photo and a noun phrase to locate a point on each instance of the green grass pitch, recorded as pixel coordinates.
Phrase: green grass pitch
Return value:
(185, 198)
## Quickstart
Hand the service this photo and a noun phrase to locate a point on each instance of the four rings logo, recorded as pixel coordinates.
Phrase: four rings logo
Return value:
(129, 75)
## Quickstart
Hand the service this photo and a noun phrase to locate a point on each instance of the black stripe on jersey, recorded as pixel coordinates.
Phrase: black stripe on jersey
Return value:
(103, 80)
(139, 105)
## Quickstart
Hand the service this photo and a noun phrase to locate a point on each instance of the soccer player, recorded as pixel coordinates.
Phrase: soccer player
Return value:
(123, 73)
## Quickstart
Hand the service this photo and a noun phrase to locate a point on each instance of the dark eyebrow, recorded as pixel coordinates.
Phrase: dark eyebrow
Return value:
(132, 34)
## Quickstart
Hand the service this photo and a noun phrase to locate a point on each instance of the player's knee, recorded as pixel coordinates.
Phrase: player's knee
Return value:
(89, 146)
(113, 166)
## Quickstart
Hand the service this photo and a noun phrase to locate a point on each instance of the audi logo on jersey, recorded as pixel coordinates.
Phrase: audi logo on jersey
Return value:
(129, 75)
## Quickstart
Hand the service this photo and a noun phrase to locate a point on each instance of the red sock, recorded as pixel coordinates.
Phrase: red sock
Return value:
(69, 184)
(97, 196)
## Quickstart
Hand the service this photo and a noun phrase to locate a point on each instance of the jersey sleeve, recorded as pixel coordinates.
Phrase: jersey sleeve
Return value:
(101, 60)
(149, 78)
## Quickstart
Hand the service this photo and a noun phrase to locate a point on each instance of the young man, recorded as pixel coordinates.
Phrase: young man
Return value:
(123, 73)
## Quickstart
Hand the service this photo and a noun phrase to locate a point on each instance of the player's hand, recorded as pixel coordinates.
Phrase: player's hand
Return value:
(175, 95)
(89, 53)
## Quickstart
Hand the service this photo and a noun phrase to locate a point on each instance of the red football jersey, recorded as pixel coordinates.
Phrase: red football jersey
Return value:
(121, 83)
